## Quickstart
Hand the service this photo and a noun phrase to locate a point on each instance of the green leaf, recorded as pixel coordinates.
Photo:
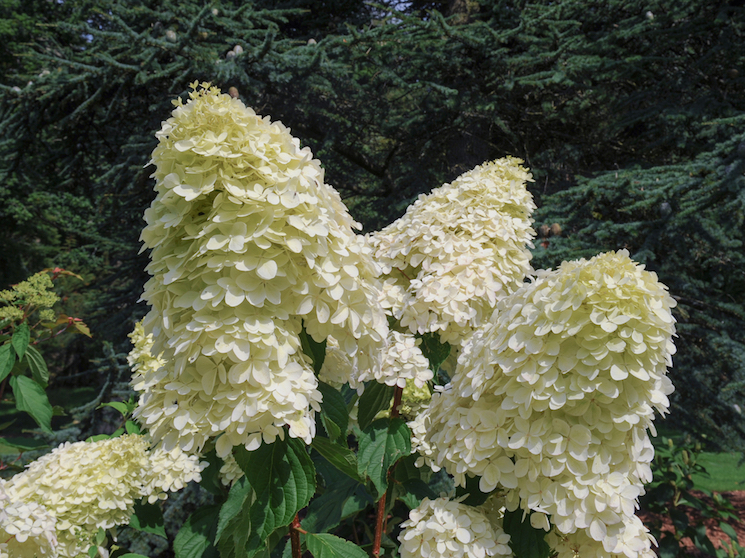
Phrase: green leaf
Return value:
(7, 360)
(149, 518)
(341, 499)
(475, 496)
(30, 397)
(132, 427)
(20, 339)
(316, 351)
(18, 445)
(416, 491)
(728, 530)
(435, 350)
(330, 546)
(118, 405)
(58, 411)
(38, 366)
(194, 539)
(333, 411)
(283, 479)
(233, 505)
(340, 457)
(6, 424)
(380, 445)
(376, 397)
(525, 540)
(211, 475)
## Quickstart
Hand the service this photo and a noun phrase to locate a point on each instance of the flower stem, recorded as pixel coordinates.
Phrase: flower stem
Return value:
(381, 522)
(295, 537)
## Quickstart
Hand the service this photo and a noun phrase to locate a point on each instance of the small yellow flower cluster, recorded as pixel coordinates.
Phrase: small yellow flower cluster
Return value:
(445, 528)
(248, 247)
(35, 292)
(458, 250)
(553, 399)
(26, 529)
(86, 486)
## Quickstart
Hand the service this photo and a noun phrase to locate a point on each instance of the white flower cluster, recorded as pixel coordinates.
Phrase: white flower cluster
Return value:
(402, 361)
(458, 250)
(553, 399)
(248, 247)
(26, 529)
(445, 528)
(78, 488)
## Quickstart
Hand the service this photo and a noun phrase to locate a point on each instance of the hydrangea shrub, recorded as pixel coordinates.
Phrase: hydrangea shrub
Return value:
(303, 362)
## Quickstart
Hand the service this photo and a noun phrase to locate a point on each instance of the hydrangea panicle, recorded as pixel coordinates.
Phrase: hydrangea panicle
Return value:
(249, 246)
(458, 250)
(553, 398)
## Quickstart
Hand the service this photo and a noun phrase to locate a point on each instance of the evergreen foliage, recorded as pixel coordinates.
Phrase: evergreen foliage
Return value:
(627, 111)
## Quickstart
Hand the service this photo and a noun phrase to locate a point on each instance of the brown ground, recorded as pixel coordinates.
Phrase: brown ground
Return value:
(737, 499)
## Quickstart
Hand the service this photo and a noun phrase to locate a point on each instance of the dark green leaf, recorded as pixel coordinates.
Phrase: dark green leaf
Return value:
(340, 457)
(7, 360)
(283, 479)
(39, 371)
(6, 424)
(237, 496)
(211, 475)
(525, 540)
(30, 397)
(728, 530)
(419, 490)
(20, 339)
(380, 445)
(333, 411)
(118, 405)
(149, 518)
(58, 411)
(330, 546)
(435, 350)
(18, 445)
(131, 555)
(376, 397)
(316, 351)
(341, 499)
(194, 539)
(132, 427)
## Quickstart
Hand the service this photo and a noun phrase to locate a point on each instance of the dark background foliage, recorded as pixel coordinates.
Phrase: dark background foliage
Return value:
(630, 114)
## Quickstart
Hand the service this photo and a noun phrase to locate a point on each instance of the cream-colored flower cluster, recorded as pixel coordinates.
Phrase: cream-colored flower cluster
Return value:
(445, 528)
(90, 485)
(402, 361)
(458, 250)
(248, 247)
(553, 399)
(26, 529)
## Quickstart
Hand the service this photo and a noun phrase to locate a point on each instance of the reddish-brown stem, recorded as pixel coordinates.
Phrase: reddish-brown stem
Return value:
(381, 519)
(295, 531)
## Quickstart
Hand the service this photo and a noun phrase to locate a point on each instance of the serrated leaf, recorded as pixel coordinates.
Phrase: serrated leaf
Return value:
(237, 496)
(7, 360)
(283, 479)
(380, 445)
(376, 397)
(20, 339)
(340, 457)
(149, 518)
(32, 398)
(194, 539)
(333, 411)
(324, 545)
(316, 351)
(38, 366)
(525, 540)
(434, 350)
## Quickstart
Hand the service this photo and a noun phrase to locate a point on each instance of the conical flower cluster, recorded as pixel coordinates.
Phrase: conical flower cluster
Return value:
(248, 247)
(445, 528)
(458, 250)
(90, 485)
(554, 398)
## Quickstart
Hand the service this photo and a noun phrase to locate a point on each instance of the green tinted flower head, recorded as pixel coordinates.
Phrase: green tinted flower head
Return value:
(35, 293)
